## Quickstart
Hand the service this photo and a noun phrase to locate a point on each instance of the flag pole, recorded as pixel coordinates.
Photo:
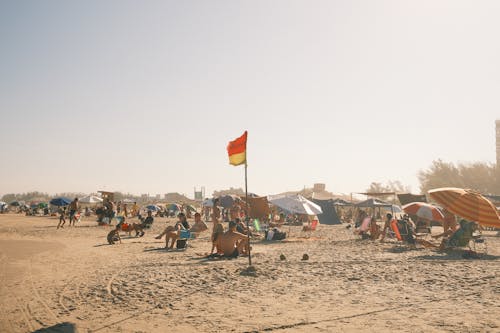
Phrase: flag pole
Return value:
(246, 215)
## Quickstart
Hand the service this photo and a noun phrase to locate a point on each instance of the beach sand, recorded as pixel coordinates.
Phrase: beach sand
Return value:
(70, 280)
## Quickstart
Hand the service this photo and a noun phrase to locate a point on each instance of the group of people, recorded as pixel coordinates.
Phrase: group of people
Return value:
(73, 209)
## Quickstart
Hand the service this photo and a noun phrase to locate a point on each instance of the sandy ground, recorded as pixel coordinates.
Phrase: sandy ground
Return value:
(70, 280)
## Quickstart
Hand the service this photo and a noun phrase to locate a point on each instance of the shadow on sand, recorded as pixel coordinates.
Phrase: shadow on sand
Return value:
(457, 255)
(58, 328)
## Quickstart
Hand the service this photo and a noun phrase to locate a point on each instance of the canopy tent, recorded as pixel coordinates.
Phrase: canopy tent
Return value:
(376, 203)
(406, 198)
(59, 202)
(90, 199)
(296, 204)
(329, 215)
(258, 208)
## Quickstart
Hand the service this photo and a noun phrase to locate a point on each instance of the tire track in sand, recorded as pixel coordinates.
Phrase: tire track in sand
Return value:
(3, 290)
(38, 297)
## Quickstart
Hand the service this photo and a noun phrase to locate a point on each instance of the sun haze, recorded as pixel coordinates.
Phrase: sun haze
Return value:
(143, 97)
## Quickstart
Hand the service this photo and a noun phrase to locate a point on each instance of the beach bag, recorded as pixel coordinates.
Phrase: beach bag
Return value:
(181, 243)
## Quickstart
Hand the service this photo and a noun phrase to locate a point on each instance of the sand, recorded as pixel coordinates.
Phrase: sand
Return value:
(70, 280)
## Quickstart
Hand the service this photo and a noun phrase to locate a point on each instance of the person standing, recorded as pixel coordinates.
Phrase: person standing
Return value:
(73, 208)
(62, 219)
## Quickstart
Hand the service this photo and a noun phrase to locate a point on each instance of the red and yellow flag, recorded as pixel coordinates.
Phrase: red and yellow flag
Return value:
(237, 150)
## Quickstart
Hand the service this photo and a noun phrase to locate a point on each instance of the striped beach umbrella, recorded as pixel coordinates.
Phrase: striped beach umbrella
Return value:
(424, 211)
(468, 204)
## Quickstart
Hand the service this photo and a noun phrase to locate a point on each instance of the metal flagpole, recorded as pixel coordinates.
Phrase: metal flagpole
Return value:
(246, 215)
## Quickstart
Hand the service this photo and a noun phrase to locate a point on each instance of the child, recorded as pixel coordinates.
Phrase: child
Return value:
(62, 212)
(114, 235)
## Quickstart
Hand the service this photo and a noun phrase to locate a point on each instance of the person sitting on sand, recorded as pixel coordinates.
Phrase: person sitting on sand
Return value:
(172, 232)
(62, 212)
(199, 225)
(148, 221)
(114, 235)
(183, 221)
(232, 243)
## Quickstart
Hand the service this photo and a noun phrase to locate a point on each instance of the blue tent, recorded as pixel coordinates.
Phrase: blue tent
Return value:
(60, 202)
(329, 215)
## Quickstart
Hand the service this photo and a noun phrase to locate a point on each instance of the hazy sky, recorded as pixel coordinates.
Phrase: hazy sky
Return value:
(143, 96)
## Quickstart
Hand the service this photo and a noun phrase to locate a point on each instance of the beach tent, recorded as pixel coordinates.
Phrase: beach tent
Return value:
(295, 204)
(191, 208)
(174, 207)
(153, 208)
(90, 199)
(59, 202)
(258, 208)
(329, 215)
(341, 202)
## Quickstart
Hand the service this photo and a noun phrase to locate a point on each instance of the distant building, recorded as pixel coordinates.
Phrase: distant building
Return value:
(498, 142)
(319, 187)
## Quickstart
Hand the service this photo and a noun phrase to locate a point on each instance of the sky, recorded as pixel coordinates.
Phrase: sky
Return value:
(143, 96)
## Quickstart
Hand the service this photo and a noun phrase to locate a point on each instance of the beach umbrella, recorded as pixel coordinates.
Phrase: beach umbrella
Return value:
(174, 207)
(129, 201)
(59, 202)
(90, 199)
(153, 208)
(424, 210)
(296, 204)
(468, 204)
(191, 208)
(227, 201)
(207, 203)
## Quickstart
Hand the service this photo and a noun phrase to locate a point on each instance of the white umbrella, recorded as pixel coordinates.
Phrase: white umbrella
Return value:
(90, 199)
(295, 204)
(129, 201)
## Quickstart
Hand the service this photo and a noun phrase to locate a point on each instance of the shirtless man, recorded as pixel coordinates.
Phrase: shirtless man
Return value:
(199, 225)
(232, 243)
(73, 209)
